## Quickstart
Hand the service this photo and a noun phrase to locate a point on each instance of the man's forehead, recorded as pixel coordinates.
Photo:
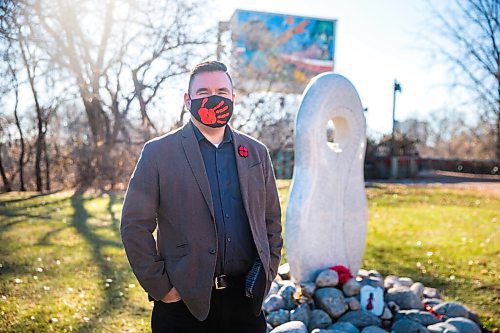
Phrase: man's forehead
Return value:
(216, 79)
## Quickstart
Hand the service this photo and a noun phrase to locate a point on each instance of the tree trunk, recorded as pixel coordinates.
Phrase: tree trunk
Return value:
(39, 116)
(23, 148)
(498, 137)
(6, 183)
(47, 166)
(38, 160)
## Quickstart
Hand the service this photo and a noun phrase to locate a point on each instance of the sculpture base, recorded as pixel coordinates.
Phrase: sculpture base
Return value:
(337, 302)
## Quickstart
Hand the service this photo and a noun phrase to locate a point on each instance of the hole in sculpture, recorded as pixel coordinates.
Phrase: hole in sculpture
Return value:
(336, 134)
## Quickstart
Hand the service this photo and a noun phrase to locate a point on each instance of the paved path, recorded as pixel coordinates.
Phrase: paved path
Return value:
(489, 183)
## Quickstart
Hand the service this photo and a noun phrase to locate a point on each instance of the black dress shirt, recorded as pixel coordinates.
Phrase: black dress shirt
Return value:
(235, 247)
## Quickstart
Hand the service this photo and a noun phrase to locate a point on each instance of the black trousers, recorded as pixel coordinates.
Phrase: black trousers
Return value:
(230, 311)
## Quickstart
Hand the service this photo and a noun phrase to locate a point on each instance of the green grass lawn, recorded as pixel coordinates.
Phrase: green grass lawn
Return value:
(63, 267)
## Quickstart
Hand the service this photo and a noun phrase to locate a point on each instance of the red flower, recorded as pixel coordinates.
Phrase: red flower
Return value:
(431, 310)
(243, 151)
(343, 272)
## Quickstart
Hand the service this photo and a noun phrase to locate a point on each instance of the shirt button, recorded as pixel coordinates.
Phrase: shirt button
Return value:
(212, 251)
(229, 239)
(227, 215)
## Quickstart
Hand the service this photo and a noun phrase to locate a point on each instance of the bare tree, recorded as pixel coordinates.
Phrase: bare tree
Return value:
(113, 57)
(468, 38)
(450, 136)
(6, 182)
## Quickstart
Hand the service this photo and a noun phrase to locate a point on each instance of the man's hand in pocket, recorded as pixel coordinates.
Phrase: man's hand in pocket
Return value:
(171, 296)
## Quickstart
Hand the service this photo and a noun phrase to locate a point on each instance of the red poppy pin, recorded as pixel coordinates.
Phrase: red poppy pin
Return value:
(243, 151)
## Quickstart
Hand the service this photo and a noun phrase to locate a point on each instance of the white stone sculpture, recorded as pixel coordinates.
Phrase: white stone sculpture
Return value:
(326, 217)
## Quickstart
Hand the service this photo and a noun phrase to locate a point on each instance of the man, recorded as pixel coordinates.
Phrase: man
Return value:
(210, 193)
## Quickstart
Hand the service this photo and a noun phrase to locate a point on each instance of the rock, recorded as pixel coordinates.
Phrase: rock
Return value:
(287, 292)
(279, 317)
(353, 303)
(373, 329)
(432, 301)
(344, 327)
(408, 326)
(319, 319)
(269, 328)
(442, 328)
(389, 281)
(308, 288)
(275, 287)
(351, 287)
(386, 314)
(404, 297)
(373, 296)
(418, 289)
(373, 281)
(327, 278)
(321, 330)
(362, 272)
(375, 273)
(386, 325)
(405, 282)
(431, 293)
(393, 306)
(291, 327)
(331, 300)
(422, 317)
(283, 283)
(464, 325)
(284, 271)
(360, 319)
(301, 313)
(451, 310)
(273, 303)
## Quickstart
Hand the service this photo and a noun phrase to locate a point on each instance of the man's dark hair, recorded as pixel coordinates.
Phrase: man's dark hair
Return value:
(208, 66)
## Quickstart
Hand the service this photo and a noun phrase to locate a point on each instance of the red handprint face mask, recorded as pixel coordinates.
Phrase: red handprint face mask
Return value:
(213, 111)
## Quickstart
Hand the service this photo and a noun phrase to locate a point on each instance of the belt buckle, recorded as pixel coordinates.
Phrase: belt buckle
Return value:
(217, 285)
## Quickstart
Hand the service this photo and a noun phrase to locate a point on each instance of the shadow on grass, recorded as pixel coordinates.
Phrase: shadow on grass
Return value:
(45, 240)
(115, 222)
(36, 195)
(112, 300)
(22, 214)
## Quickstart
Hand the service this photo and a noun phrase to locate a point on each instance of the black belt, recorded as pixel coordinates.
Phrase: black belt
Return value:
(225, 281)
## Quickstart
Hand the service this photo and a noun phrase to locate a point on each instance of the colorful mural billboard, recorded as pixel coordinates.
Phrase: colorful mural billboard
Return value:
(280, 52)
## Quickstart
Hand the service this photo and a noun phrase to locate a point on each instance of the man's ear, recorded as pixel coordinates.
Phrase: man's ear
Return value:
(234, 98)
(187, 101)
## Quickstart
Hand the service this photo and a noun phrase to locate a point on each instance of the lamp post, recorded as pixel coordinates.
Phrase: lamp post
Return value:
(394, 158)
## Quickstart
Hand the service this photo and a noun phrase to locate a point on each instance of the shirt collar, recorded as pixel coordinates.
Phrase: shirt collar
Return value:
(228, 135)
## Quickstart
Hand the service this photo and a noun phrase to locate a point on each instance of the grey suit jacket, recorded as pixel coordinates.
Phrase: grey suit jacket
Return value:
(169, 191)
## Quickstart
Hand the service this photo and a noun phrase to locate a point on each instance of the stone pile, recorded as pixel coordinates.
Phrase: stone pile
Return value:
(329, 306)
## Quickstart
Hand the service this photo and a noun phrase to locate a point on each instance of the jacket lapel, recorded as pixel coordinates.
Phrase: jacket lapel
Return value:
(242, 166)
(195, 160)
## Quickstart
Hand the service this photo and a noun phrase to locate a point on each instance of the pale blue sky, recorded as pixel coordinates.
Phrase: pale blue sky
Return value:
(377, 42)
